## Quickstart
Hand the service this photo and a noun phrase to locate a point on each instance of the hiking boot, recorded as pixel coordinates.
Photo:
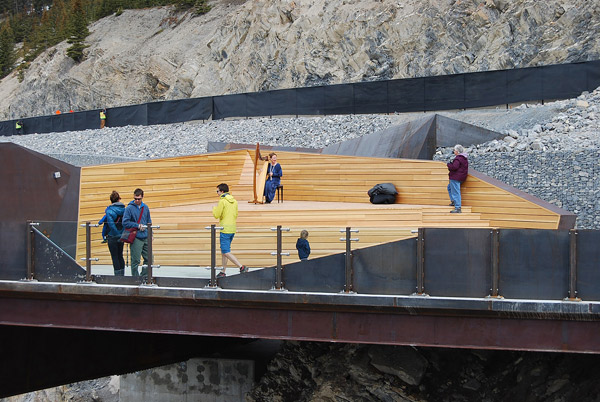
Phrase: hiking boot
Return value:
(221, 275)
(244, 269)
(456, 211)
(451, 204)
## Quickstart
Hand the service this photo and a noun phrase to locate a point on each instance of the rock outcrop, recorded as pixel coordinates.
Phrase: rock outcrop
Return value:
(158, 54)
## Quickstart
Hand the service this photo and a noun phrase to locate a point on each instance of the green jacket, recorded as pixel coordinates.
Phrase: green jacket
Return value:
(226, 212)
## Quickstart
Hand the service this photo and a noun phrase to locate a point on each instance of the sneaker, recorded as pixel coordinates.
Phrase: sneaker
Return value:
(455, 211)
(451, 204)
(221, 275)
(244, 269)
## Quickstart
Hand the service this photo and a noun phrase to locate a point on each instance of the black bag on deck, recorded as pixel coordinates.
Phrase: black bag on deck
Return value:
(383, 193)
(383, 199)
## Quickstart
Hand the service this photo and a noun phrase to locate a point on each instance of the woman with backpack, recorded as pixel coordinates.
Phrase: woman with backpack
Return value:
(112, 230)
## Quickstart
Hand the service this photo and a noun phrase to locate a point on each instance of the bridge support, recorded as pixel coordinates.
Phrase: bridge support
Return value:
(197, 379)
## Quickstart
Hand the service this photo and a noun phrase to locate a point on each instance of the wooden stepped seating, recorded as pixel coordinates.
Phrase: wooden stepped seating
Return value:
(323, 193)
(183, 240)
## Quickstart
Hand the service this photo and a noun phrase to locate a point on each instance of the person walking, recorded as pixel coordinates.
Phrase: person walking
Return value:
(113, 228)
(139, 247)
(458, 169)
(226, 212)
(102, 118)
(19, 127)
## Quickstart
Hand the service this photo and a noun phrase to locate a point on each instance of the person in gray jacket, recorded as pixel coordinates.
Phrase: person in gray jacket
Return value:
(139, 247)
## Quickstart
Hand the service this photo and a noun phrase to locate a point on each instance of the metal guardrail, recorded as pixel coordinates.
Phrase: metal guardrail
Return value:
(493, 263)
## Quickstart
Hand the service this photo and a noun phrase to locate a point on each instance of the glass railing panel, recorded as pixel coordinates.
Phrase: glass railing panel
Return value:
(183, 250)
(62, 233)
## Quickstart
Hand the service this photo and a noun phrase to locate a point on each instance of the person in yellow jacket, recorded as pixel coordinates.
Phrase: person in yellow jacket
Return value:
(102, 118)
(227, 212)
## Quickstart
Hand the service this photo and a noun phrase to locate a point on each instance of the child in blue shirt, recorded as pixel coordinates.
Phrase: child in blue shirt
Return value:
(303, 246)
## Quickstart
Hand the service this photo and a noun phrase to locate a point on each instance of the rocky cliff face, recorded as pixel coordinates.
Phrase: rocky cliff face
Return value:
(156, 54)
(331, 372)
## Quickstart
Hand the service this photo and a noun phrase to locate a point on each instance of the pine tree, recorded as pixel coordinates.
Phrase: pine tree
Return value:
(7, 50)
(78, 31)
(60, 19)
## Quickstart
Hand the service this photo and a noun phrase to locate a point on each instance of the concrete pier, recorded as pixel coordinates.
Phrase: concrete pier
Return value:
(199, 379)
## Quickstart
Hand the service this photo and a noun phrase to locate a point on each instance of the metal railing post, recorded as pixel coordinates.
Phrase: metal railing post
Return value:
(213, 256)
(348, 263)
(278, 275)
(421, 261)
(349, 269)
(495, 239)
(573, 265)
(212, 283)
(30, 251)
(151, 280)
(280, 253)
(88, 250)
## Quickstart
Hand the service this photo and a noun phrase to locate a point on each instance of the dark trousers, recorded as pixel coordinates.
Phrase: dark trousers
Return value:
(116, 253)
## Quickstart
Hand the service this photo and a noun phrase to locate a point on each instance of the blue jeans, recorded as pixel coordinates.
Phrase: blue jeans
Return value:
(454, 192)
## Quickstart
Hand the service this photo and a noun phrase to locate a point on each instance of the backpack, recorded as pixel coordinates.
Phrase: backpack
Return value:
(119, 223)
(383, 193)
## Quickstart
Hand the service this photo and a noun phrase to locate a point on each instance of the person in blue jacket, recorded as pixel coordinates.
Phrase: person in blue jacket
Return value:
(274, 174)
(303, 246)
(112, 230)
(139, 247)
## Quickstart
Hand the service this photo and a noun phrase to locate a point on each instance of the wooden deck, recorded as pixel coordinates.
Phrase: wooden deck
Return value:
(323, 194)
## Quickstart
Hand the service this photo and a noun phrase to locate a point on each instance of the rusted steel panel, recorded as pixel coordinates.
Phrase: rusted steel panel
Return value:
(317, 275)
(30, 192)
(386, 269)
(263, 279)
(334, 326)
(457, 262)
(588, 264)
(534, 264)
(450, 132)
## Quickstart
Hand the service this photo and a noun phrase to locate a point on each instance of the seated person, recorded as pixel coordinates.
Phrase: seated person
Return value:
(274, 174)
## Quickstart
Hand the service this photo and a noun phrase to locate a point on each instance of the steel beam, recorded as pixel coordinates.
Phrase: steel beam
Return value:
(395, 325)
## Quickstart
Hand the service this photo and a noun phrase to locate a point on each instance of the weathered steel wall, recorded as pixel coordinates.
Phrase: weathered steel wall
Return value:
(386, 269)
(30, 192)
(534, 264)
(457, 262)
(588, 264)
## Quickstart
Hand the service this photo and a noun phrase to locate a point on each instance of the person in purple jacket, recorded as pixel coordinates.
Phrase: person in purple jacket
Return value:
(458, 169)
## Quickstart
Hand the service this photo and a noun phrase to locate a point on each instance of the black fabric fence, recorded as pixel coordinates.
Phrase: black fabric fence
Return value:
(457, 91)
